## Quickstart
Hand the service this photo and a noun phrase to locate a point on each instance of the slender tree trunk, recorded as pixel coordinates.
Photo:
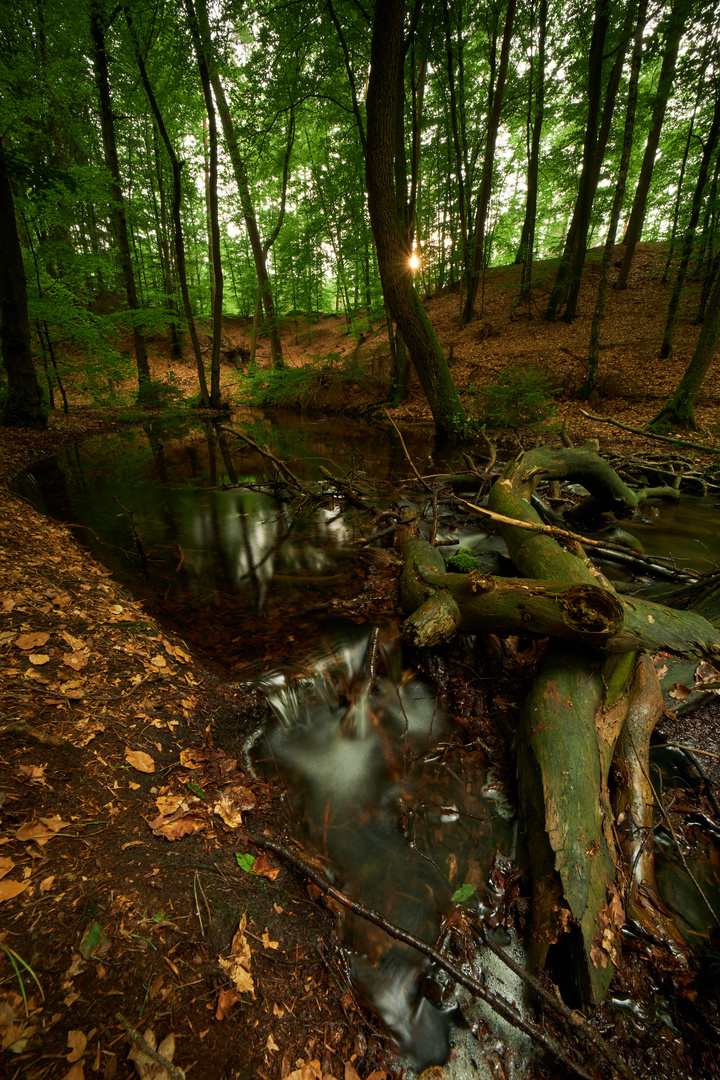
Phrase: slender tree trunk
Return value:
(478, 248)
(200, 38)
(23, 405)
(165, 251)
(177, 221)
(146, 394)
(708, 151)
(667, 74)
(595, 63)
(678, 196)
(594, 350)
(678, 410)
(259, 250)
(395, 274)
(527, 239)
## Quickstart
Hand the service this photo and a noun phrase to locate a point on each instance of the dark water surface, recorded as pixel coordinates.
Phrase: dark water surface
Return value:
(377, 779)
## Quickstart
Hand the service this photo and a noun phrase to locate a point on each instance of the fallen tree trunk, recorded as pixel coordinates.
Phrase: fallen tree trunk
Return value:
(587, 718)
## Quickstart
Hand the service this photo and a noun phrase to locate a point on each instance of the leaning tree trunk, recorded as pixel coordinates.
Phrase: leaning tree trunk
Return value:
(588, 715)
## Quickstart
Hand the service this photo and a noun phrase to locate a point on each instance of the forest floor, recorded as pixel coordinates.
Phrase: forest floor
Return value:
(122, 879)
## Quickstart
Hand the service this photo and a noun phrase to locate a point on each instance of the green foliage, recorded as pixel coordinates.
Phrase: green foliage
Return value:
(463, 893)
(17, 964)
(295, 387)
(462, 562)
(522, 396)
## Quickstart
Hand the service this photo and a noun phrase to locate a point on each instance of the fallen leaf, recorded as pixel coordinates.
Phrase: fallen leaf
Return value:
(272, 1045)
(226, 1000)
(680, 692)
(35, 773)
(350, 1073)
(9, 889)
(263, 866)
(46, 884)
(306, 1072)
(38, 659)
(31, 641)
(42, 830)
(173, 829)
(95, 941)
(148, 1068)
(6, 865)
(231, 804)
(267, 942)
(159, 661)
(77, 1041)
(139, 760)
(74, 660)
(278, 1011)
(192, 759)
(238, 964)
(168, 804)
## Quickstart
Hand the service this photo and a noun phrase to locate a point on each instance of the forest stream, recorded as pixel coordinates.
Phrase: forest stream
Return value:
(383, 786)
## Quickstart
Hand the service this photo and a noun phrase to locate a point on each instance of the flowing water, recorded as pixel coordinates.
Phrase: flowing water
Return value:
(379, 784)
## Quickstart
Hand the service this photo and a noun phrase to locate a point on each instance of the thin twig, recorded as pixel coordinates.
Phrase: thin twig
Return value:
(142, 1044)
(651, 434)
(290, 477)
(499, 1004)
(410, 461)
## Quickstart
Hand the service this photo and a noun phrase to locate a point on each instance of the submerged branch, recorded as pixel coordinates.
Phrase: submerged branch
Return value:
(499, 1004)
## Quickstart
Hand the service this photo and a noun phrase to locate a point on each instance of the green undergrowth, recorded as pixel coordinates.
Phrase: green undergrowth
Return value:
(521, 396)
(299, 387)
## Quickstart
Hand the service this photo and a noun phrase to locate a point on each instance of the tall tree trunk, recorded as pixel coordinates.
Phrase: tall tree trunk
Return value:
(679, 409)
(395, 274)
(594, 350)
(667, 74)
(527, 239)
(708, 151)
(200, 36)
(165, 250)
(259, 250)
(478, 246)
(581, 212)
(177, 221)
(678, 196)
(23, 405)
(146, 394)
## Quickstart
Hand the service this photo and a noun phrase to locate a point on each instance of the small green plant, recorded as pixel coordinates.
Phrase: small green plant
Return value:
(522, 396)
(17, 962)
(462, 562)
(463, 893)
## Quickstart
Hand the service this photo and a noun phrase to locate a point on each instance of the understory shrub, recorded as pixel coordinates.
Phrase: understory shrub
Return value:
(521, 396)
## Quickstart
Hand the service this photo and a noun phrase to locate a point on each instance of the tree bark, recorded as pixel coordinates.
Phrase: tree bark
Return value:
(200, 34)
(177, 220)
(527, 238)
(478, 245)
(679, 409)
(403, 302)
(146, 394)
(259, 251)
(667, 74)
(708, 151)
(23, 405)
(594, 348)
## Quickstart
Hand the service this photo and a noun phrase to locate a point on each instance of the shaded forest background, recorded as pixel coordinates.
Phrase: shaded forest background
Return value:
(165, 164)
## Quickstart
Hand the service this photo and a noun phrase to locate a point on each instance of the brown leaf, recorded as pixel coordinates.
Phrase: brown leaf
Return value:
(159, 661)
(168, 804)
(182, 826)
(267, 942)
(32, 641)
(6, 865)
(76, 1073)
(139, 760)
(226, 1000)
(75, 660)
(239, 963)
(42, 830)
(38, 659)
(306, 1072)
(9, 889)
(263, 866)
(350, 1073)
(680, 692)
(77, 1041)
(231, 804)
(192, 759)
(46, 884)
(272, 1045)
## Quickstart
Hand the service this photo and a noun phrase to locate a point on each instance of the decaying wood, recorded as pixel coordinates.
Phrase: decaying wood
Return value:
(590, 711)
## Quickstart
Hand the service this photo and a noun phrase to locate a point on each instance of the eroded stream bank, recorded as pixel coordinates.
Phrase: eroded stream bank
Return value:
(236, 558)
